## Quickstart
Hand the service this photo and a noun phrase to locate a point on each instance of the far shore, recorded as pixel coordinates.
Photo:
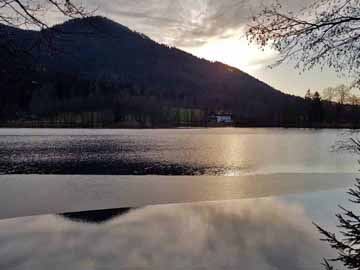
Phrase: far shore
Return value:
(20, 124)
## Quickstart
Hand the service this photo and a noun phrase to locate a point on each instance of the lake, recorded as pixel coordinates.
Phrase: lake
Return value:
(265, 233)
(170, 199)
(223, 151)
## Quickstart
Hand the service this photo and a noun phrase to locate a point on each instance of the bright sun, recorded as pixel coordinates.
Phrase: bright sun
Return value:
(235, 51)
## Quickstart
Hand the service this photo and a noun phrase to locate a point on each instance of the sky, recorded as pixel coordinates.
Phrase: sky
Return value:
(214, 30)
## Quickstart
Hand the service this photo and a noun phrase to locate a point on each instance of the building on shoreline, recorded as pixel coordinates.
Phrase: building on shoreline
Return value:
(221, 118)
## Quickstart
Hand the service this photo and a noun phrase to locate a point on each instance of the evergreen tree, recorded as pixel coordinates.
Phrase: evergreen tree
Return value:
(316, 113)
(347, 241)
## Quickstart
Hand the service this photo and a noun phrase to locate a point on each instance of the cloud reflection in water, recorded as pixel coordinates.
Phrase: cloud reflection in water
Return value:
(250, 234)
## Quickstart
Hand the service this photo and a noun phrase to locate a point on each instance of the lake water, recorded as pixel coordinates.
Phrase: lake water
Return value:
(271, 233)
(221, 198)
(225, 151)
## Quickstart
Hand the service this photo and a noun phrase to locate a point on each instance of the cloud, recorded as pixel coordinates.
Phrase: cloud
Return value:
(185, 23)
(192, 25)
(181, 23)
(255, 234)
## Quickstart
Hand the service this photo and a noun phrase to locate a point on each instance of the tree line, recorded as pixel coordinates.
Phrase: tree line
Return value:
(45, 96)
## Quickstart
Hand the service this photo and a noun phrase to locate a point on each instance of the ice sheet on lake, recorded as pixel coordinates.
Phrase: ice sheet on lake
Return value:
(23, 195)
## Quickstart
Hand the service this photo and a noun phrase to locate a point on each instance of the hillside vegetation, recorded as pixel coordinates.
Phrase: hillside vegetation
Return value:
(100, 71)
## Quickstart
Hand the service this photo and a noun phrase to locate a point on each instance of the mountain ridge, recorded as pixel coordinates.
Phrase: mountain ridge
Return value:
(122, 62)
(96, 21)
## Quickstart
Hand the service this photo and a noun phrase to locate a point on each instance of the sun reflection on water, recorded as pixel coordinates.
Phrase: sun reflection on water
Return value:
(233, 173)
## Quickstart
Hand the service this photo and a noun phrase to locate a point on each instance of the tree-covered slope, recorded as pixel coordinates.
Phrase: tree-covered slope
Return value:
(111, 60)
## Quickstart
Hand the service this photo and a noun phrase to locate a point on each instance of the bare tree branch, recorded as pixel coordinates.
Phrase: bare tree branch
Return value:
(326, 33)
(32, 15)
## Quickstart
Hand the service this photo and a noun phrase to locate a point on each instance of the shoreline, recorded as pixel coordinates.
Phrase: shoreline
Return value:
(102, 126)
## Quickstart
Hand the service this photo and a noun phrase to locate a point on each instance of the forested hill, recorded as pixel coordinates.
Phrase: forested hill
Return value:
(95, 64)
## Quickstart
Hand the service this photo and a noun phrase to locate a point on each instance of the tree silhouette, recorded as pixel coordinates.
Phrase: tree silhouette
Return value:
(308, 95)
(326, 33)
(347, 241)
(329, 94)
(314, 106)
(32, 15)
(18, 13)
(354, 100)
(342, 93)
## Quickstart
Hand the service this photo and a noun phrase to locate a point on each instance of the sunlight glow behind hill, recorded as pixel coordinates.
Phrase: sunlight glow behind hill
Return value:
(235, 50)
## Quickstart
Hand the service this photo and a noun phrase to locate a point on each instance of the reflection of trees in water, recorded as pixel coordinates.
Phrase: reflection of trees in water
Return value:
(96, 216)
(349, 141)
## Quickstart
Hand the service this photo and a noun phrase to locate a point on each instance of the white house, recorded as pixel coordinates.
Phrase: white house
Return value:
(224, 118)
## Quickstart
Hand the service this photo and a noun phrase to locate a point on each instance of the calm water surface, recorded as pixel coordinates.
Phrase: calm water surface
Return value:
(272, 233)
(226, 151)
(289, 178)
